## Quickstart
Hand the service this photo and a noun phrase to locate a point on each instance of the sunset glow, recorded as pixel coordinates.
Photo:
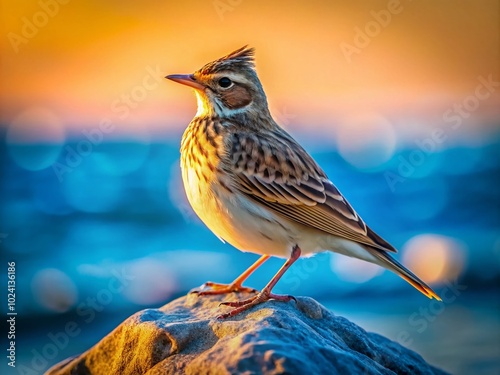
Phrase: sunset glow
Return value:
(88, 61)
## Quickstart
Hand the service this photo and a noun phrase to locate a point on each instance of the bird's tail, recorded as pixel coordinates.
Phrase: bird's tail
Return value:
(392, 264)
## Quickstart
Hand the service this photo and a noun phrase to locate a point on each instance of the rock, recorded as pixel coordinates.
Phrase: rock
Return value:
(184, 337)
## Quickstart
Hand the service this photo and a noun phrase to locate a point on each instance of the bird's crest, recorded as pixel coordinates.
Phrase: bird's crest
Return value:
(242, 58)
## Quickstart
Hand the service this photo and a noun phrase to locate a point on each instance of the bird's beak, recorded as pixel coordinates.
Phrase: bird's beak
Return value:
(186, 79)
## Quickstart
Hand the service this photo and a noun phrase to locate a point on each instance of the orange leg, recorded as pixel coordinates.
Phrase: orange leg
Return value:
(236, 285)
(265, 294)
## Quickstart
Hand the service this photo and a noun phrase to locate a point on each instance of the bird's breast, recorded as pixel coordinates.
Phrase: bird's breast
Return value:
(229, 214)
(201, 149)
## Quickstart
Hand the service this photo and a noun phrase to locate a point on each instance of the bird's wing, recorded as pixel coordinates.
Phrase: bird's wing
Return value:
(277, 172)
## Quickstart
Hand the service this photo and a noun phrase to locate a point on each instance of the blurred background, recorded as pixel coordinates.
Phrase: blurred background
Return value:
(397, 101)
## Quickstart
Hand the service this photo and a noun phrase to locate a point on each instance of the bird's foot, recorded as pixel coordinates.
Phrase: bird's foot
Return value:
(217, 288)
(240, 306)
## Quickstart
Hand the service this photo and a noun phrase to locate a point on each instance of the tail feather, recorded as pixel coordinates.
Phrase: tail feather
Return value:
(379, 240)
(392, 264)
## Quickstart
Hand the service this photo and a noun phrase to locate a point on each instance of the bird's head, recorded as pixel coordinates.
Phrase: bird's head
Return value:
(227, 86)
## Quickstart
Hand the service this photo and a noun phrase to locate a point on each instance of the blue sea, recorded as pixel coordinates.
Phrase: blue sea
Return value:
(100, 231)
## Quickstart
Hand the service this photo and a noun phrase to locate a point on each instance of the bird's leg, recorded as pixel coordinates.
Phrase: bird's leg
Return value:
(265, 294)
(236, 285)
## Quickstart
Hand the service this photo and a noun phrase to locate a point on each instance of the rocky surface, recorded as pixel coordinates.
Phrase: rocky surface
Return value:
(184, 337)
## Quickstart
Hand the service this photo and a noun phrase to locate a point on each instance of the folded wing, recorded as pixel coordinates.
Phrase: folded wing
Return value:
(275, 171)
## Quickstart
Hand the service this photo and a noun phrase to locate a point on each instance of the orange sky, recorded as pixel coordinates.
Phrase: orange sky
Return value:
(85, 57)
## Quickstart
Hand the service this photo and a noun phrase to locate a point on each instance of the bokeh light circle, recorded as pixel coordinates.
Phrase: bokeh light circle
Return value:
(434, 258)
(366, 141)
(89, 189)
(54, 290)
(153, 282)
(123, 157)
(35, 138)
(354, 270)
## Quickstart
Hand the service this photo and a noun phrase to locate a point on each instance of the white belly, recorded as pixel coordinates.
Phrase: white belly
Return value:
(237, 220)
(248, 226)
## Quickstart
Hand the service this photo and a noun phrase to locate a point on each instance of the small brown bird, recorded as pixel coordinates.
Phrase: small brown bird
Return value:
(255, 187)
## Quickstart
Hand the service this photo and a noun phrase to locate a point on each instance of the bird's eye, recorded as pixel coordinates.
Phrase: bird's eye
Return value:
(225, 82)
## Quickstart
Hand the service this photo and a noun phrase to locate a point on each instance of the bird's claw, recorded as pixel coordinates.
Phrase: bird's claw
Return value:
(238, 303)
(240, 306)
(222, 289)
(223, 316)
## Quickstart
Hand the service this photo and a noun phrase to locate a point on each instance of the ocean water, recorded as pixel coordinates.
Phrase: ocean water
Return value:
(98, 232)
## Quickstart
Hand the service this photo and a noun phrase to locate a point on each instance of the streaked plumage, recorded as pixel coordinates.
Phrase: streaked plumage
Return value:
(255, 187)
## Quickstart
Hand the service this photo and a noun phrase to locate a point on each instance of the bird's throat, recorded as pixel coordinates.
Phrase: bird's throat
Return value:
(204, 107)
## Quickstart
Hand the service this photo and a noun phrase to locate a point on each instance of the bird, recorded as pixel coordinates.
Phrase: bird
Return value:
(255, 187)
